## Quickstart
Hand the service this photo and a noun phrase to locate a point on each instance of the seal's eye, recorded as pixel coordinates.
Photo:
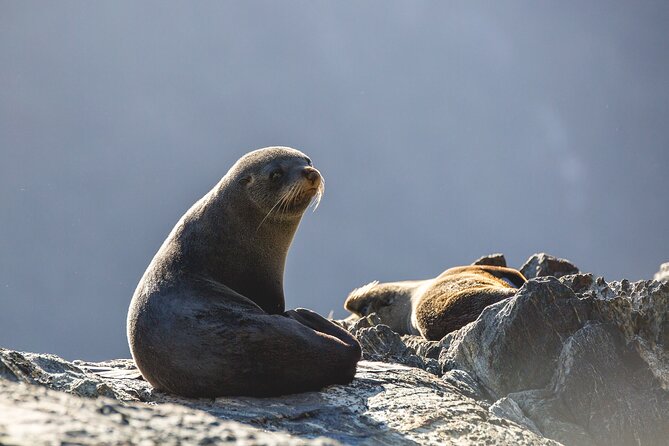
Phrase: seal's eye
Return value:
(275, 174)
(308, 161)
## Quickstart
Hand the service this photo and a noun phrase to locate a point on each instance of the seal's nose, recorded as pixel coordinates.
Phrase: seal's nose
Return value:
(311, 174)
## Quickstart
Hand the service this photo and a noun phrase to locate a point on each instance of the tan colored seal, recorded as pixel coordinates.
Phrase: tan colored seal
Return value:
(433, 308)
(207, 318)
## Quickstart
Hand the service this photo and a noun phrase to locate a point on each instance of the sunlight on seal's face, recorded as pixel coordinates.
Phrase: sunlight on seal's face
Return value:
(281, 182)
(391, 302)
(372, 298)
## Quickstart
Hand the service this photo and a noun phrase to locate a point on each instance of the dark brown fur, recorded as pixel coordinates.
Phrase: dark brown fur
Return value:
(208, 317)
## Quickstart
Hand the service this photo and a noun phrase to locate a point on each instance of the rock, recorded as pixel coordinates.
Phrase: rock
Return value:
(663, 273)
(539, 405)
(509, 409)
(572, 359)
(600, 380)
(542, 264)
(34, 416)
(585, 361)
(491, 259)
(58, 374)
(516, 332)
(422, 347)
(385, 404)
(355, 323)
(638, 310)
(380, 343)
(466, 385)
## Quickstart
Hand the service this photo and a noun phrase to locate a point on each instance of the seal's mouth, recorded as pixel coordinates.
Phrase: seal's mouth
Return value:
(305, 195)
(296, 198)
(312, 190)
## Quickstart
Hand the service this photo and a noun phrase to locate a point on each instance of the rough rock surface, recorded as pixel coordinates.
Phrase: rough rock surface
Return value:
(491, 259)
(585, 361)
(33, 415)
(663, 273)
(574, 360)
(543, 264)
(386, 404)
(577, 359)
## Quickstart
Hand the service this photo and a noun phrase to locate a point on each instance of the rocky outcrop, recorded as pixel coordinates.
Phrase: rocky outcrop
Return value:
(34, 415)
(573, 359)
(491, 259)
(583, 360)
(577, 359)
(104, 403)
(542, 264)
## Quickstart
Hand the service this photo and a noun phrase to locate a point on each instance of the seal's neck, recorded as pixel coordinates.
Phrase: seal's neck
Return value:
(222, 239)
(403, 306)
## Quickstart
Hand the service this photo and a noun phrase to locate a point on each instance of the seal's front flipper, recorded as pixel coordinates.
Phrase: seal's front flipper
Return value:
(313, 320)
(318, 323)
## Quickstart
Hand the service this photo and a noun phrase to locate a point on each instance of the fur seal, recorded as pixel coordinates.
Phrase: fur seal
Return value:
(207, 318)
(433, 308)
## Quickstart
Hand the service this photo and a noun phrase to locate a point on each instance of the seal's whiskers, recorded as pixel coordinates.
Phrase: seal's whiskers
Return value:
(288, 198)
(319, 194)
(278, 202)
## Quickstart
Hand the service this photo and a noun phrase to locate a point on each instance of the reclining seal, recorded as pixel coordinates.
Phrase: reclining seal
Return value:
(433, 308)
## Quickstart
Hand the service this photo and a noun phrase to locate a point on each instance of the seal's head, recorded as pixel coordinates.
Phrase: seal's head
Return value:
(239, 233)
(391, 302)
(279, 181)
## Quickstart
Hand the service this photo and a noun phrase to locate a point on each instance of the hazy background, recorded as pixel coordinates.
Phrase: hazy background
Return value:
(444, 130)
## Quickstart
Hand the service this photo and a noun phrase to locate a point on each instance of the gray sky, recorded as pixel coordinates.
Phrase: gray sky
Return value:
(444, 130)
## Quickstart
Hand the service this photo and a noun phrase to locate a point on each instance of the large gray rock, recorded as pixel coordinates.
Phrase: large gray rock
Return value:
(529, 328)
(638, 310)
(386, 404)
(605, 389)
(585, 361)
